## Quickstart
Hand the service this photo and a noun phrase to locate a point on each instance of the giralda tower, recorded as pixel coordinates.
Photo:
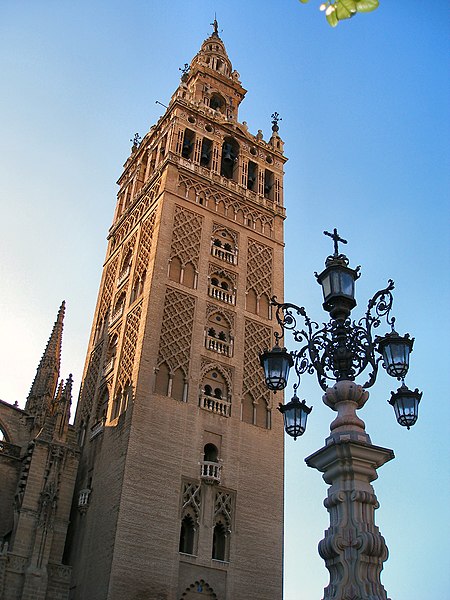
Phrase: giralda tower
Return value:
(180, 488)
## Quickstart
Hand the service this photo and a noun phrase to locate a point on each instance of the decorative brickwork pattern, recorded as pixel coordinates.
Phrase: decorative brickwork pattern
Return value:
(192, 498)
(90, 383)
(136, 214)
(259, 268)
(129, 346)
(186, 236)
(145, 243)
(108, 287)
(232, 204)
(176, 331)
(257, 338)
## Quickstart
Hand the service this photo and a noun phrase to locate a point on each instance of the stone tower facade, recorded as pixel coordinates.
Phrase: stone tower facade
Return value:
(180, 487)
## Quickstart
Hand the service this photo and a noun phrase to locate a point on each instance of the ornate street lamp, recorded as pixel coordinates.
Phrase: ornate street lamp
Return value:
(338, 352)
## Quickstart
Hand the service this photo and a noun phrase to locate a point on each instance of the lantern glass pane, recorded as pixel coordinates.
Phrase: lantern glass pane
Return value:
(406, 410)
(347, 284)
(326, 286)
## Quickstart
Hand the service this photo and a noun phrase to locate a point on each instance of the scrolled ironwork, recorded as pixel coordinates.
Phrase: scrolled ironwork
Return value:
(337, 350)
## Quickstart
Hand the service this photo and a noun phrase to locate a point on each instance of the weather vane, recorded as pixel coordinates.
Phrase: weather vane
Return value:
(136, 140)
(184, 70)
(336, 238)
(275, 119)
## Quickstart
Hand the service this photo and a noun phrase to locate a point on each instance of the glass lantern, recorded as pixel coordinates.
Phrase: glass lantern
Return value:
(338, 287)
(406, 405)
(276, 364)
(395, 351)
(295, 414)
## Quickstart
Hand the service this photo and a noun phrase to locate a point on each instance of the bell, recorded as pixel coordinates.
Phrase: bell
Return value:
(187, 149)
(205, 158)
(228, 153)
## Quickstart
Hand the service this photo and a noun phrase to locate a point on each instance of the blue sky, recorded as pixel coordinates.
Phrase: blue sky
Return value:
(365, 111)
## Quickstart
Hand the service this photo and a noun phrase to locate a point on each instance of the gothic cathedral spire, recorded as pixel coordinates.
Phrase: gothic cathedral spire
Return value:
(44, 386)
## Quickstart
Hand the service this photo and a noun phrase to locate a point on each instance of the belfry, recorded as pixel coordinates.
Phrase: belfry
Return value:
(179, 492)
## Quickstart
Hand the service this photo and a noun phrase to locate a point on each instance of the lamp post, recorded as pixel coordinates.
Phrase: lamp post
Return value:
(338, 352)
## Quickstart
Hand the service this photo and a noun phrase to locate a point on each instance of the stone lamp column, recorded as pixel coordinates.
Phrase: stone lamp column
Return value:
(353, 548)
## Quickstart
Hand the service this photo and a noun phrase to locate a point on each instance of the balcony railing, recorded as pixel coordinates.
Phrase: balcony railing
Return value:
(215, 405)
(226, 255)
(10, 450)
(116, 315)
(210, 471)
(217, 345)
(220, 294)
(123, 276)
(97, 428)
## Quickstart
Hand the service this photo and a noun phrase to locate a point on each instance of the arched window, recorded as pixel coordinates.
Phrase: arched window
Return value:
(118, 307)
(126, 266)
(175, 269)
(214, 394)
(177, 391)
(188, 144)
(247, 409)
(224, 247)
(261, 414)
(217, 102)
(210, 453)
(189, 275)
(219, 547)
(221, 289)
(162, 380)
(251, 302)
(102, 404)
(3, 436)
(112, 347)
(187, 535)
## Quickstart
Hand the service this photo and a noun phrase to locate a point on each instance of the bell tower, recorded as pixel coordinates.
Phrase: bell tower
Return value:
(180, 487)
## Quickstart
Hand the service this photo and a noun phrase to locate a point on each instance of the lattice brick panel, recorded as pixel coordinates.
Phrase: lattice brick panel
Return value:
(89, 384)
(259, 268)
(186, 236)
(223, 505)
(257, 338)
(145, 243)
(129, 346)
(108, 287)
(192, 497)
(176, 331)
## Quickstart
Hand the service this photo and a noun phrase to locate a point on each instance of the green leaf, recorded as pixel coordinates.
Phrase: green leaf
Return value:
(345, 9)
(304, 1)
(366, 5)
(332, 18)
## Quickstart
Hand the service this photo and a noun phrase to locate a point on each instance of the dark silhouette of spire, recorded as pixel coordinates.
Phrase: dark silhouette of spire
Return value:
(43, 389)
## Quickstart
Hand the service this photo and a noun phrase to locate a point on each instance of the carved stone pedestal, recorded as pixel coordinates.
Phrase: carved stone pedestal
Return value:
(353, 548)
